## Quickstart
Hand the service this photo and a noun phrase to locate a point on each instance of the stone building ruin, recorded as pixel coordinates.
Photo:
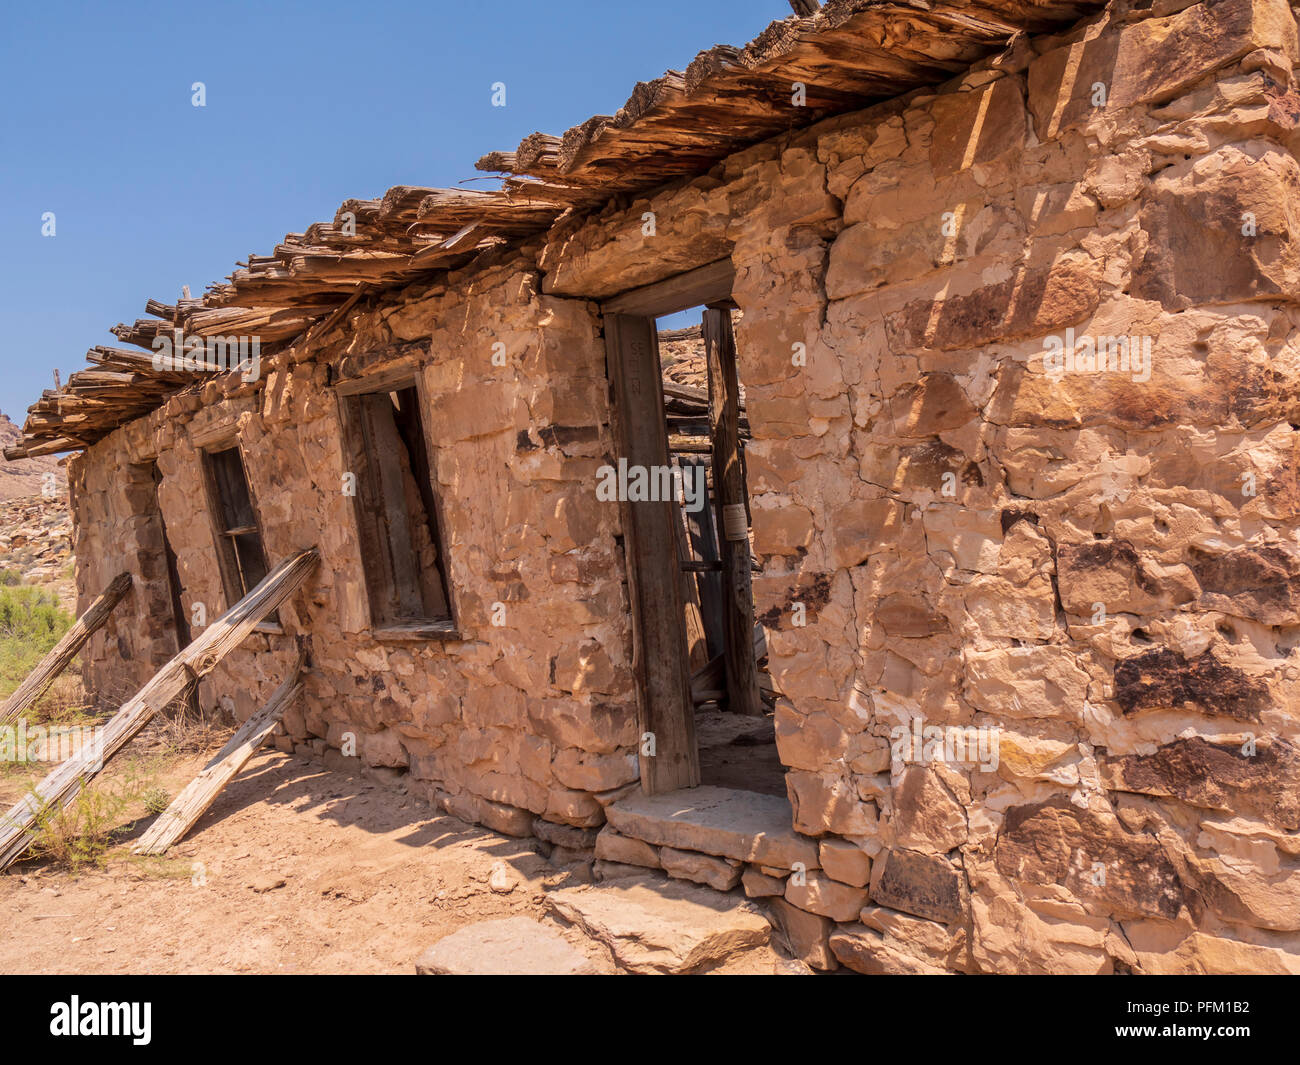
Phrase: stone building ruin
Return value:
(1026, 625)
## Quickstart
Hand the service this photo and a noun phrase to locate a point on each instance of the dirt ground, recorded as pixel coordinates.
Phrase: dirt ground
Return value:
(295, 869)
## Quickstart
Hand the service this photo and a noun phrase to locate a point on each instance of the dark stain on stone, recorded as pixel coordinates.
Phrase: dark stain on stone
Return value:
(814, 595)
(1035, 300)
(922, 884)
(1260, 583)
(927, 463)
(562, 435)
(910, 616)
(1218, 776)
(1056, 843)
(1105, 554)
(1283, 107)
(1164, 679)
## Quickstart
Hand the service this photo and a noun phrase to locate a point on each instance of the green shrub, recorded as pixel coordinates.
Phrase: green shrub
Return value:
(81, 832)
(31, 623)
(156, 800)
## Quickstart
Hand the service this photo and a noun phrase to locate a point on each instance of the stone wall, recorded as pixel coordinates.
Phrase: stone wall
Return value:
(1096, 572)
(1100, 566)
(532, 714)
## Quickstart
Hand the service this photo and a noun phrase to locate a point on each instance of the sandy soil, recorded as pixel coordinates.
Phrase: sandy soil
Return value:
(293, 870)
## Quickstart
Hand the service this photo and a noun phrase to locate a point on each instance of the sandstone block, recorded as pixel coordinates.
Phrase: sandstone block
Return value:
(820, 894)
(759, 885)
(920, 884)
(653, 925)
(612, 847)
(866, 951)
(927, 816)
(806, 935)
(603, 870)
(585, 771)
(721, 874)
(1216, 776)
(743, 825)
(1184, 215)
(845, 862)
(564, 835)
(1128, 874)
(1152, 60)
(1162, 678)
(824, 803)
(1026, 682)
(515, 946)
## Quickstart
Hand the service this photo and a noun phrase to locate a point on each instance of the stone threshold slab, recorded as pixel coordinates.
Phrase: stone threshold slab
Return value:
(743, 825)
(653, 925)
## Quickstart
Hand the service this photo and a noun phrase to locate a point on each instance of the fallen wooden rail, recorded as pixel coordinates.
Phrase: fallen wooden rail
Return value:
(54, 663)
(201, 792)
(63, 785)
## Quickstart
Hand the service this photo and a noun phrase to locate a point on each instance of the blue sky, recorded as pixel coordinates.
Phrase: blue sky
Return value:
(307, 105)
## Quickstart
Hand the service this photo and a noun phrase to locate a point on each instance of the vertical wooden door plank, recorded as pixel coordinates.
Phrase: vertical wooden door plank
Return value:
(386, 449)
(729, 492)
(650, 544)
(705, 544)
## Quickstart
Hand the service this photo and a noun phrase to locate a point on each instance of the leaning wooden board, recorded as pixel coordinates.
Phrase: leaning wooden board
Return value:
(201, 792)
(197, 660)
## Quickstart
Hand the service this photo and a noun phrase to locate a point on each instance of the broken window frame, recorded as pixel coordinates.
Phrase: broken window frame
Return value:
(376, 546)
(235, 582)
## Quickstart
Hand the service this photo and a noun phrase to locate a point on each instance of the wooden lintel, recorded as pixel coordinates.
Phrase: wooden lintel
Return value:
(704, 285)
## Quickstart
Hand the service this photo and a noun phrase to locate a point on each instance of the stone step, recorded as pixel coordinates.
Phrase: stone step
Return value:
(514, 946)
(651, 924)
(744, 825)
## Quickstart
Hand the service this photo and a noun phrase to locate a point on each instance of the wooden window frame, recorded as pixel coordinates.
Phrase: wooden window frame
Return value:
(227, 563)
(396, 378)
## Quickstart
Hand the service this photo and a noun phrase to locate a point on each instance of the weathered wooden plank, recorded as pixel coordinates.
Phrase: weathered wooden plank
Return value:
(201, 792)
(708, 577)
(384, 451)
(705, 284)
(426, 519)
(63, 652)
(697, 643)
(650, 547)
(63, 785)
(729, 498)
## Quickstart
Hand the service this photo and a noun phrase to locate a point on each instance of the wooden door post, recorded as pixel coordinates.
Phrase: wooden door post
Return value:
(743, 696)
(659, 659)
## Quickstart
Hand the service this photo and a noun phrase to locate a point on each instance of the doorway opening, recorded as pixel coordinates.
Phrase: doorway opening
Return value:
(731, 693)
(699, 655)
(163, 583)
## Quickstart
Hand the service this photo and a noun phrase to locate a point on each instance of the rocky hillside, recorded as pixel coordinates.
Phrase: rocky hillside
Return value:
(26, 477)
(36, 544)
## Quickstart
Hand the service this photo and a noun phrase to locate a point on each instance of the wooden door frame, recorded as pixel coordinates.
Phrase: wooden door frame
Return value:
(659, 654)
